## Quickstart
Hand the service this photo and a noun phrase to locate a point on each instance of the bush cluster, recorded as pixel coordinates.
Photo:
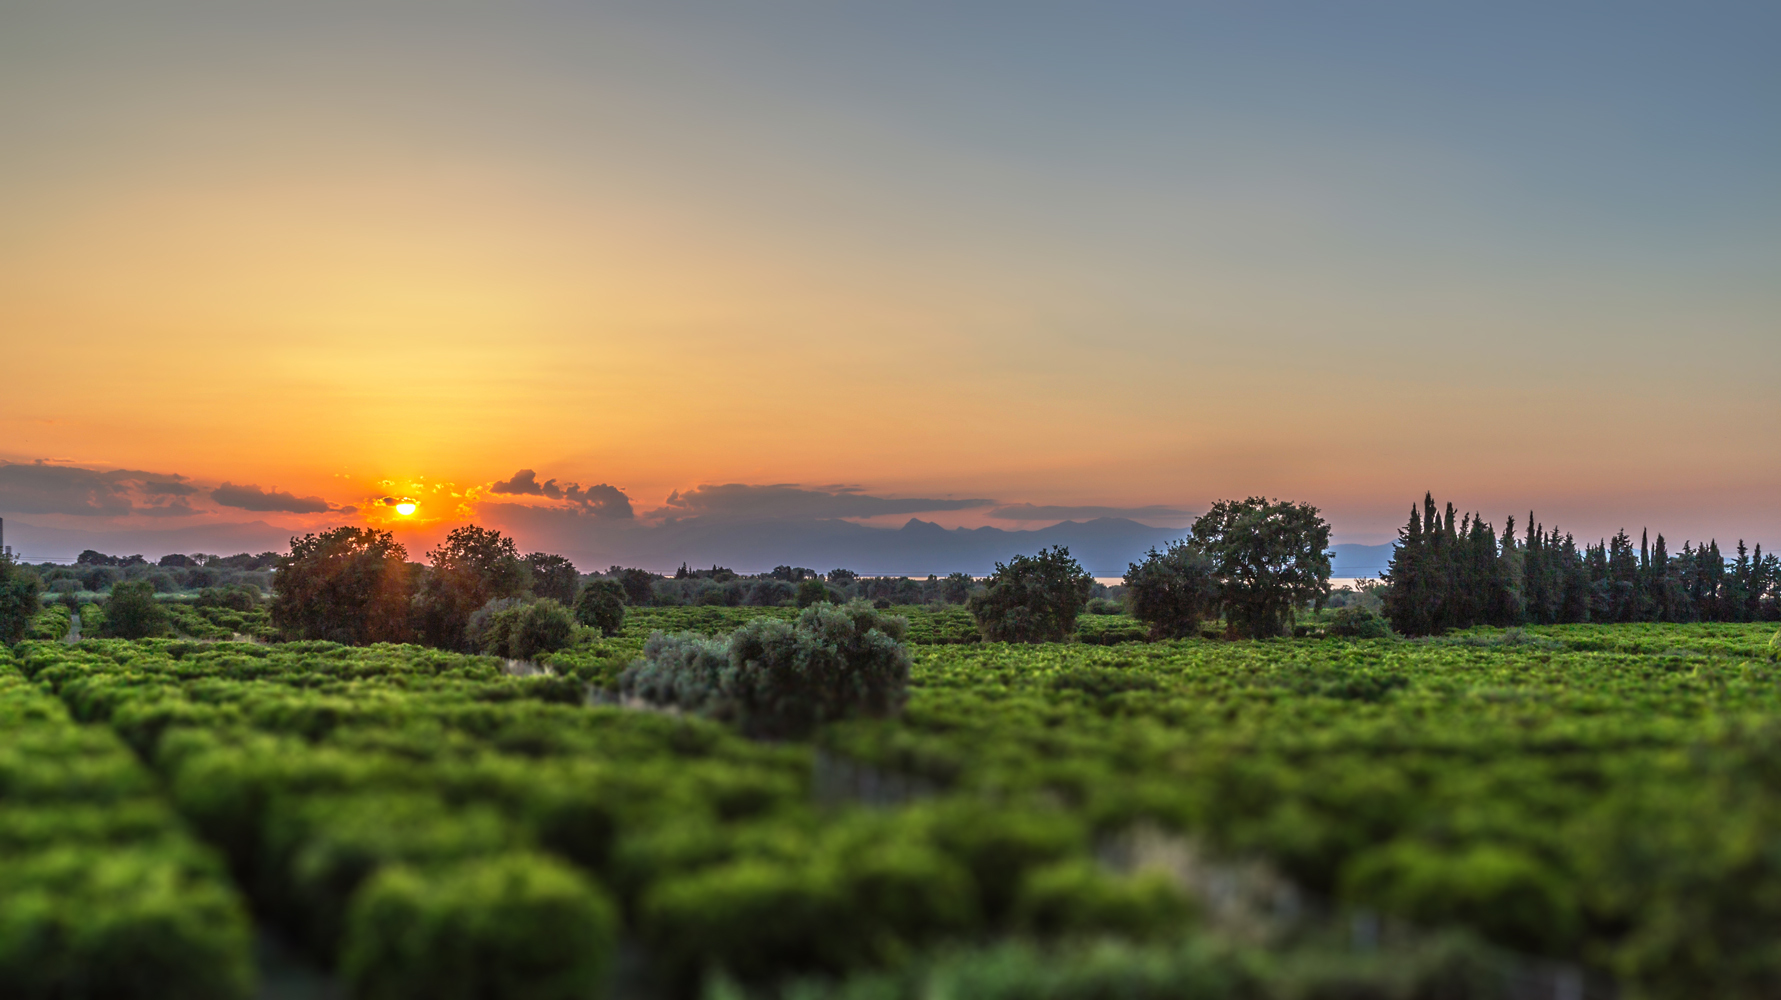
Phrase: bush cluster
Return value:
(1033, 598)
(601, 605)
(775, 678)
(395, 834)
(520, 629)
(102, 894)
(1257, 562)
(133, 613)
(1173, 590)
(1358, 623)
(506, 925)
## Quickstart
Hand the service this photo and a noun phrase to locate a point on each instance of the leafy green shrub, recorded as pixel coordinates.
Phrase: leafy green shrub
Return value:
(863, 891)
(775, 678)
(235, 596)
(1173, 591)
(545, 626)
(133, 613)
(1358, 623)
(1032, 598)
(101, 893)
(1000, 846)
(1078, 897)
(639, 585)
(514, 925)
(84, 921)
(1505, 893)
(50, 624)
(516, 628)
(753, 918)
(601, 605)
(718, 596)
(682, 669)
(902, 893)
(812, 591)
(323, 847)
(490, 628)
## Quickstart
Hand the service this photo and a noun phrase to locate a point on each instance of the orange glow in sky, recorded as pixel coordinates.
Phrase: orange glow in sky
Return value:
(633, 250)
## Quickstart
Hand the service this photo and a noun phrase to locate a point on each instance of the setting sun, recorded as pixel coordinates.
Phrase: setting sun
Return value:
(405, 509)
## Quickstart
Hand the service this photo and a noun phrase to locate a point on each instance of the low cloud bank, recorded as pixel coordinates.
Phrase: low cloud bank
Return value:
(784, 501)
(1030, 512)
(42, 488)
(600, 500)
(266, 501)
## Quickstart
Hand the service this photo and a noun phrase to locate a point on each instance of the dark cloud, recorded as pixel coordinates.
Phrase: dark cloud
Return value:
(739, 501)
(599, 500)
(254, 498)
(178, 507)
(59, 489)
(165, 489)
(1030, 512)
(523, 483)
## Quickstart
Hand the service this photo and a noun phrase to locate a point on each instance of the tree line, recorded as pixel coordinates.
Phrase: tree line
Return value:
(1447, 573)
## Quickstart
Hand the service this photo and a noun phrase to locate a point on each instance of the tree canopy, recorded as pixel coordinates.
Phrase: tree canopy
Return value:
(1270, 558)
(1032, 598)
(350, 585)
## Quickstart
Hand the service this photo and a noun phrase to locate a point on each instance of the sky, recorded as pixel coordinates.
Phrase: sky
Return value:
(1057, 260)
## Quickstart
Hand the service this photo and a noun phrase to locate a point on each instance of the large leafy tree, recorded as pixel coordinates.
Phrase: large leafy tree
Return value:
(1270, 558)
(554, 578)
(472, 567)
(1032, 598)
(351, 585)
(601, 605)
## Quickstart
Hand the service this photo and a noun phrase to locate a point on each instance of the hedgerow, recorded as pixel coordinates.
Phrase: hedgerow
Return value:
(101, 891)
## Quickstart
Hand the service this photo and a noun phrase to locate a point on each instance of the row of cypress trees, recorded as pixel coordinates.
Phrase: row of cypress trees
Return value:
(1446, 574)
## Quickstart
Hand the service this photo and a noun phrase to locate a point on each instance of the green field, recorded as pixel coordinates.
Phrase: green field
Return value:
(1293, 818)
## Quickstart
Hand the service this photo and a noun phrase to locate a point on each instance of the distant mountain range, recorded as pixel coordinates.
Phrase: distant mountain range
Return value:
(1104, 545)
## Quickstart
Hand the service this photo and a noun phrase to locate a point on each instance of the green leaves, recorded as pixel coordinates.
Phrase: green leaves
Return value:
(778, 679)
(1269, 558)
(1032, 598)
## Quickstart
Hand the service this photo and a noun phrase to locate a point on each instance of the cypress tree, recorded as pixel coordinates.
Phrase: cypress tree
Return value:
(1406, 591)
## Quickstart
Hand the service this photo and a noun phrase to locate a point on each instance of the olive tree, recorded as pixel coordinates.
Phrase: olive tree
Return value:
(1032, 598)
(780, 679)
(1270, 557)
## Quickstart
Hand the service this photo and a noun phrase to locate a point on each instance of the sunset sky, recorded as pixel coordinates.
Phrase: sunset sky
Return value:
(1094, 258)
